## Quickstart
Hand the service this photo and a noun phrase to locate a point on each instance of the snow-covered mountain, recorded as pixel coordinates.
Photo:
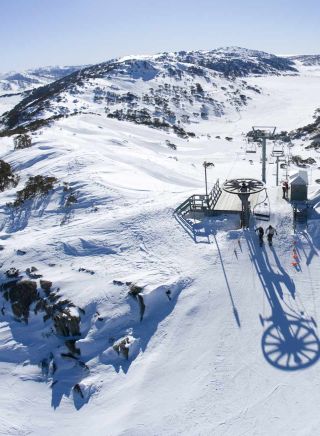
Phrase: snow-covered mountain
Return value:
(169, 90)
(306, 60)
(18, 82)
(309, 132)
(14, 86)
(118, 318)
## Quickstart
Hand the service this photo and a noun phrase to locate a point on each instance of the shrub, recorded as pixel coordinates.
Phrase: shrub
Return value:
(7, 178)
(22, 141)
(36, 185)
(171, 145)
(300, 162)
(71, 199)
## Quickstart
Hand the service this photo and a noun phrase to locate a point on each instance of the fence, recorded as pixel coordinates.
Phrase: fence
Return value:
(200, 203)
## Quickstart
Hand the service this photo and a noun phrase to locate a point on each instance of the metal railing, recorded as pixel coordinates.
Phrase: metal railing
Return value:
(214, 195)
(200, 203)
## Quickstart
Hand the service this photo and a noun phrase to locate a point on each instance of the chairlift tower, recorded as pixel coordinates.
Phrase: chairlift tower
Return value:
(244, 188)
(278, 153)
(263, 133)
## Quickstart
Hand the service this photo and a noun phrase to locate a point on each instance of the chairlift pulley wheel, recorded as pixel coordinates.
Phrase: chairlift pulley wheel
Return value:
(243, 185)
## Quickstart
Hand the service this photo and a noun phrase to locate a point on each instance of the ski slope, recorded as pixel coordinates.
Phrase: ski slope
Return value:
(199, 362)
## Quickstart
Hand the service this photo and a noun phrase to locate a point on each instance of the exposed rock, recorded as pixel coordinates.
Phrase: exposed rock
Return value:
(21, 295)
(32, 273)
(46, 285)
(89, 271)
(12, 273)
(171, 145)
(71, 345)
(66, 324)
(135, 290)
(53, 297)
(21, 252)
(121, 347)
(300, 162)
(41, 306)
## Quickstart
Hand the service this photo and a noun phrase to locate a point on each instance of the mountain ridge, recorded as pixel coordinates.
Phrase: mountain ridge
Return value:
(166, 90)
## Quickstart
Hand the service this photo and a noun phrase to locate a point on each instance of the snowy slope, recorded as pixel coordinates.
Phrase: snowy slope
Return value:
(14, 86)
(16, 82)
(306, 60)
(169, 91)
(196, 363)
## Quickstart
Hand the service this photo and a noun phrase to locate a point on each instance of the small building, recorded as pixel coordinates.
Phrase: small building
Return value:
(299, 186)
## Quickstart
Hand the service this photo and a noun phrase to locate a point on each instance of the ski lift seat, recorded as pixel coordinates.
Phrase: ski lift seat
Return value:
(251, 148)
(277, 151)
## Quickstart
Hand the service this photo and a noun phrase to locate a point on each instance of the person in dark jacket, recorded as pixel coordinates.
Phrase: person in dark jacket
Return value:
(260, 232)
(285, 189)
(271, 231)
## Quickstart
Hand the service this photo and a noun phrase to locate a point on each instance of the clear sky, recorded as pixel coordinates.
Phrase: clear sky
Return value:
(72, 32)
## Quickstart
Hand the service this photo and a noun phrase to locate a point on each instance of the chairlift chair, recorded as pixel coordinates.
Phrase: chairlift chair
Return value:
(251, 147)
(278, 150)
(261, 210)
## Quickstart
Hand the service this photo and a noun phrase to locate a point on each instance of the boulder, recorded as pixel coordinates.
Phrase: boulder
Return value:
(46, 285)
(66, 324)
(122, 347)
(21, 295)
(12, 273)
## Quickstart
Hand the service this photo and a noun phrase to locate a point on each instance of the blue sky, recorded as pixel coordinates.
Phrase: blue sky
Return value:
(68, 32)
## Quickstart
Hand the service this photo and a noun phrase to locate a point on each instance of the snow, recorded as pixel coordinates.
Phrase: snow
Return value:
(196, 363)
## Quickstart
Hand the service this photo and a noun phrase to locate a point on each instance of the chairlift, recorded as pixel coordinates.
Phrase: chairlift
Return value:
(251, 147)
(278, 150)
(261, 210)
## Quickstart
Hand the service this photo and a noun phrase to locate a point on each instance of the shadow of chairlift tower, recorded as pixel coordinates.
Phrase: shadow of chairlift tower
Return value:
(290, 341)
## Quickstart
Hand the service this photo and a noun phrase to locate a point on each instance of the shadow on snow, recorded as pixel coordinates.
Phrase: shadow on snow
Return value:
(290, 341)
(200, 230)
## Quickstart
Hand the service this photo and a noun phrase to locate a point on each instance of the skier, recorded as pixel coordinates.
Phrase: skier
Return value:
(285, 189)
(270, 233)
(260, 234)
